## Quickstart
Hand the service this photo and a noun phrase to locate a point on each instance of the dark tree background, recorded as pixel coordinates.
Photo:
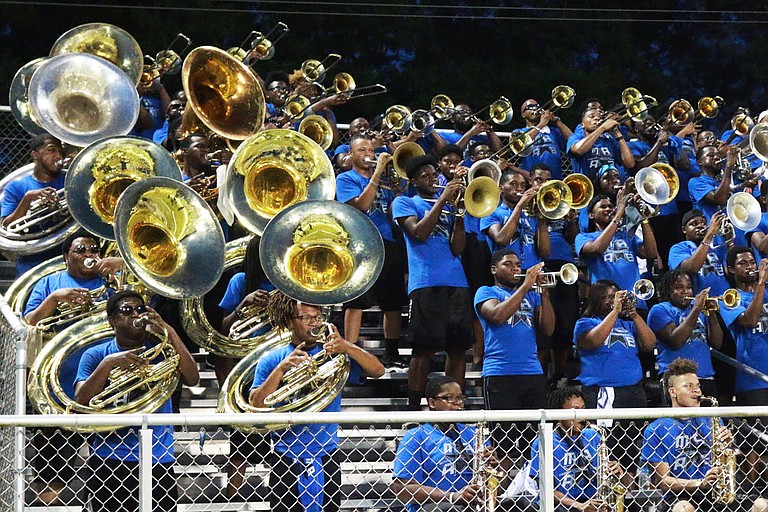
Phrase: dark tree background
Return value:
(472, 51)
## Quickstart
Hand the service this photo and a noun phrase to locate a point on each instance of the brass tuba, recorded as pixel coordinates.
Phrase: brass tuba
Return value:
(273, 170)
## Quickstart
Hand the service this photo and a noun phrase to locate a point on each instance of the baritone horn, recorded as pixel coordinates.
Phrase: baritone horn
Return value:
(403, 154)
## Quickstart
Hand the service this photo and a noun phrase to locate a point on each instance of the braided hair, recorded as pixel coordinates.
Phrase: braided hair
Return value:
(281, 309)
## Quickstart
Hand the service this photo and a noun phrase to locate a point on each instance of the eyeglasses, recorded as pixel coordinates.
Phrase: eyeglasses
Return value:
(452, 399)
(306, 319)
(128, 310)
(82, 249)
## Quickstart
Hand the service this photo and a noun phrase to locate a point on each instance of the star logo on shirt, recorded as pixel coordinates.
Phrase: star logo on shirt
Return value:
(524, 314)
(712, 265)
(762, 323)
(621, 336)
(618, 250)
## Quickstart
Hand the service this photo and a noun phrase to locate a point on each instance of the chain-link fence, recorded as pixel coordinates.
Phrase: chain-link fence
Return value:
(13, 143)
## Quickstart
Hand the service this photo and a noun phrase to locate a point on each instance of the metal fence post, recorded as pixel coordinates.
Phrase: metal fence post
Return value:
(546, 465)
(145, 467)
(19, 441)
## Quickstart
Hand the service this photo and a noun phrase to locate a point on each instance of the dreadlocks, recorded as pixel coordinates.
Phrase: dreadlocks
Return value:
(281, 309)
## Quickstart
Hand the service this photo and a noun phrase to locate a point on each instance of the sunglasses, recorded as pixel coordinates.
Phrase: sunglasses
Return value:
(128, 310)
(82, 249)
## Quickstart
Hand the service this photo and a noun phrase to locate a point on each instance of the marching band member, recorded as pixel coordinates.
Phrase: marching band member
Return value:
(549, 139)
(154, 105)
(682, 328)
(599, 144)
(467, 128)
(440, 314)
(757, 239)
(702, 253)
(710, 190)
(510, 225)
(43, 184)
(361, 188)
(511, 314)
(114, 463)
(305, 472)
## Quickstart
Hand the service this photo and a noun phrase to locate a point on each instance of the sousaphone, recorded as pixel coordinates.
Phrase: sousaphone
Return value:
(18, 97)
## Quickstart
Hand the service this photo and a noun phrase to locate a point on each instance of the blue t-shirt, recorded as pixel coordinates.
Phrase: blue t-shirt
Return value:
(236, 293)
(430, 457)
(308, 441)
(605, 150)
(523, 241)
(351, 184)
(695, 347)
(430, 263)
(699, 187)
(575, 461)
(751, 342)
(618, 262)
(616, 361)
(711, 274)
(684, 444)
(559, 248)
(548, 147)
(510, 348)
(154, 106)
(123, 444)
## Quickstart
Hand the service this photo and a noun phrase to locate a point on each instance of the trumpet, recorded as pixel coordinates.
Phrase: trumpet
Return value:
(643, 289)
(731, 298)
(568, 274)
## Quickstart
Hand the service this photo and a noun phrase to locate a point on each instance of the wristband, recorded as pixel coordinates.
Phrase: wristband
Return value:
(644, 221)
(620, 137)
(374, 183)
(450, 497)
(616, 222)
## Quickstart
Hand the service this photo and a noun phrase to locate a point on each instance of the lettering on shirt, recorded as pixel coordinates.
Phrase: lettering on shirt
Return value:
(712, 265)
(762, 323)
(456, 459)
(380, 202)
(578, 468)
(544, 144)
(443, 226)
(599, 156)
(699, 331)
(620, 335)
(524, 314)
(692, 451)
(618, 250)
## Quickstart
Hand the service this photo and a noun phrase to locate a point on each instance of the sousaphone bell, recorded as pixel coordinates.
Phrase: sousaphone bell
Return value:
(743, 211)
(18, 97)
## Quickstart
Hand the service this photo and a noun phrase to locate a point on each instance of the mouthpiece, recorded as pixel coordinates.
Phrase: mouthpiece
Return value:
(90, 262)
(140, 323)
(752, 273)
(320, 331)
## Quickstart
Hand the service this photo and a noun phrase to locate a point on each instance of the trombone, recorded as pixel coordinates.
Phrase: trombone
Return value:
(568, 274)
(261, 47)
(344, 83)
(166, 61)
(562, 96)
(731, 298)
(500, 112)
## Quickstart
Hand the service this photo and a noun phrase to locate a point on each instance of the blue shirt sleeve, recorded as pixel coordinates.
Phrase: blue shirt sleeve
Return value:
(678, 253)
(88, 363)
(403, 207)
(234, 294)
(698, 188)
(659, 317)
(407, 466)
(347, 187)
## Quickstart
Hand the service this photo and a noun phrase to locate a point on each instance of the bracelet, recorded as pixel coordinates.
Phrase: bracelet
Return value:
(374, 183)
(616, 222)
(644, 221)
(451, 496)
(620, 137)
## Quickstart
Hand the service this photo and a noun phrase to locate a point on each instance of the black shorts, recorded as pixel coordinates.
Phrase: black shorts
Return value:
(440, 318)
(55, 453)
(114, 486)
(476, 260)
(285, 473)
(509, 392)
(388, 292)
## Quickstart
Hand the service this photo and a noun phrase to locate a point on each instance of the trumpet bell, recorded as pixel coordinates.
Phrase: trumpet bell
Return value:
(554, 199)
(569, 273)
(482, 196)
(731, 298)
(105, 41)
(758, 141)
(273, 170)
(652, 186)
(102, 171)
(322, 252)
(223, 93)
(79, 99)
(484, 167)
(169, 237)
(643, 289)
(743, 211)
(403, 153)
(670, 174)
(582, 190)
(18, 97)
(318, 129)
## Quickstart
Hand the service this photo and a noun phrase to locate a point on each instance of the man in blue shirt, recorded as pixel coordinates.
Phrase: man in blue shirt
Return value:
(440, 314)
(710, 190)
(305, 466)
(114, 461)
(43, 185)
(702, 253)
(550, 136)
(600, 143)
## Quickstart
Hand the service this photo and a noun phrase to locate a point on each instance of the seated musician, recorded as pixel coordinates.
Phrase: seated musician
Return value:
(575, 455)
(305, 464)
(679, 450)
(433, 463)
(44, 182)
(703, 252)
(440, 313)
(682, 328)
(114, 461)
(511, 226)
(512, 314)
(608, 251)
(600, 143)
(361, 187)
(550, 136)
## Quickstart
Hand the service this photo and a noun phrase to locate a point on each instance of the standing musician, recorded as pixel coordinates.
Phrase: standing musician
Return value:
(194, 149)
(433, 463)
(678, 450)
(114, 462)
(275, 94)
(305, 472)
(601, 143)
(575, 455)
(511, 226)
(511, 313)
(758, 238)
(702, 254)
(710, 190)
(359, 126)
(467, 128)
(549, 138)
(361, 187)
(682, 328)
(437, 287)
(43, 184)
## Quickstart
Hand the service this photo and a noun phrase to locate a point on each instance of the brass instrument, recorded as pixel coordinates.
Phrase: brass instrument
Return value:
(708, 108)
(169, 237)
(520, 143)
(273, 170)
(562, 96)
(486, 477)
(741, 124)
(643, 289)
(254, 318)
(634, 105)
(107, 42)
(18, 97)
(484, 167)
(723, 457)
(582, 190)
(743, 211)
(403, 153)
(758, 141)
(568, 274)
(610, 490)
(500, 111)
(442, 106)
(318, 129)
(314, 70)
(390, 178)
(651, 186)
(259, 45)
(344, 83)
(79, 98)
(423, 121)
(166, 61)
(480, 198)
(397, 119)
(223, 93)
(731, 298)
(553, 201)
(103, 170)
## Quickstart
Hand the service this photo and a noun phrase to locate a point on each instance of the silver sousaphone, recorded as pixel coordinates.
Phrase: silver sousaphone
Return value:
(18, 97)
